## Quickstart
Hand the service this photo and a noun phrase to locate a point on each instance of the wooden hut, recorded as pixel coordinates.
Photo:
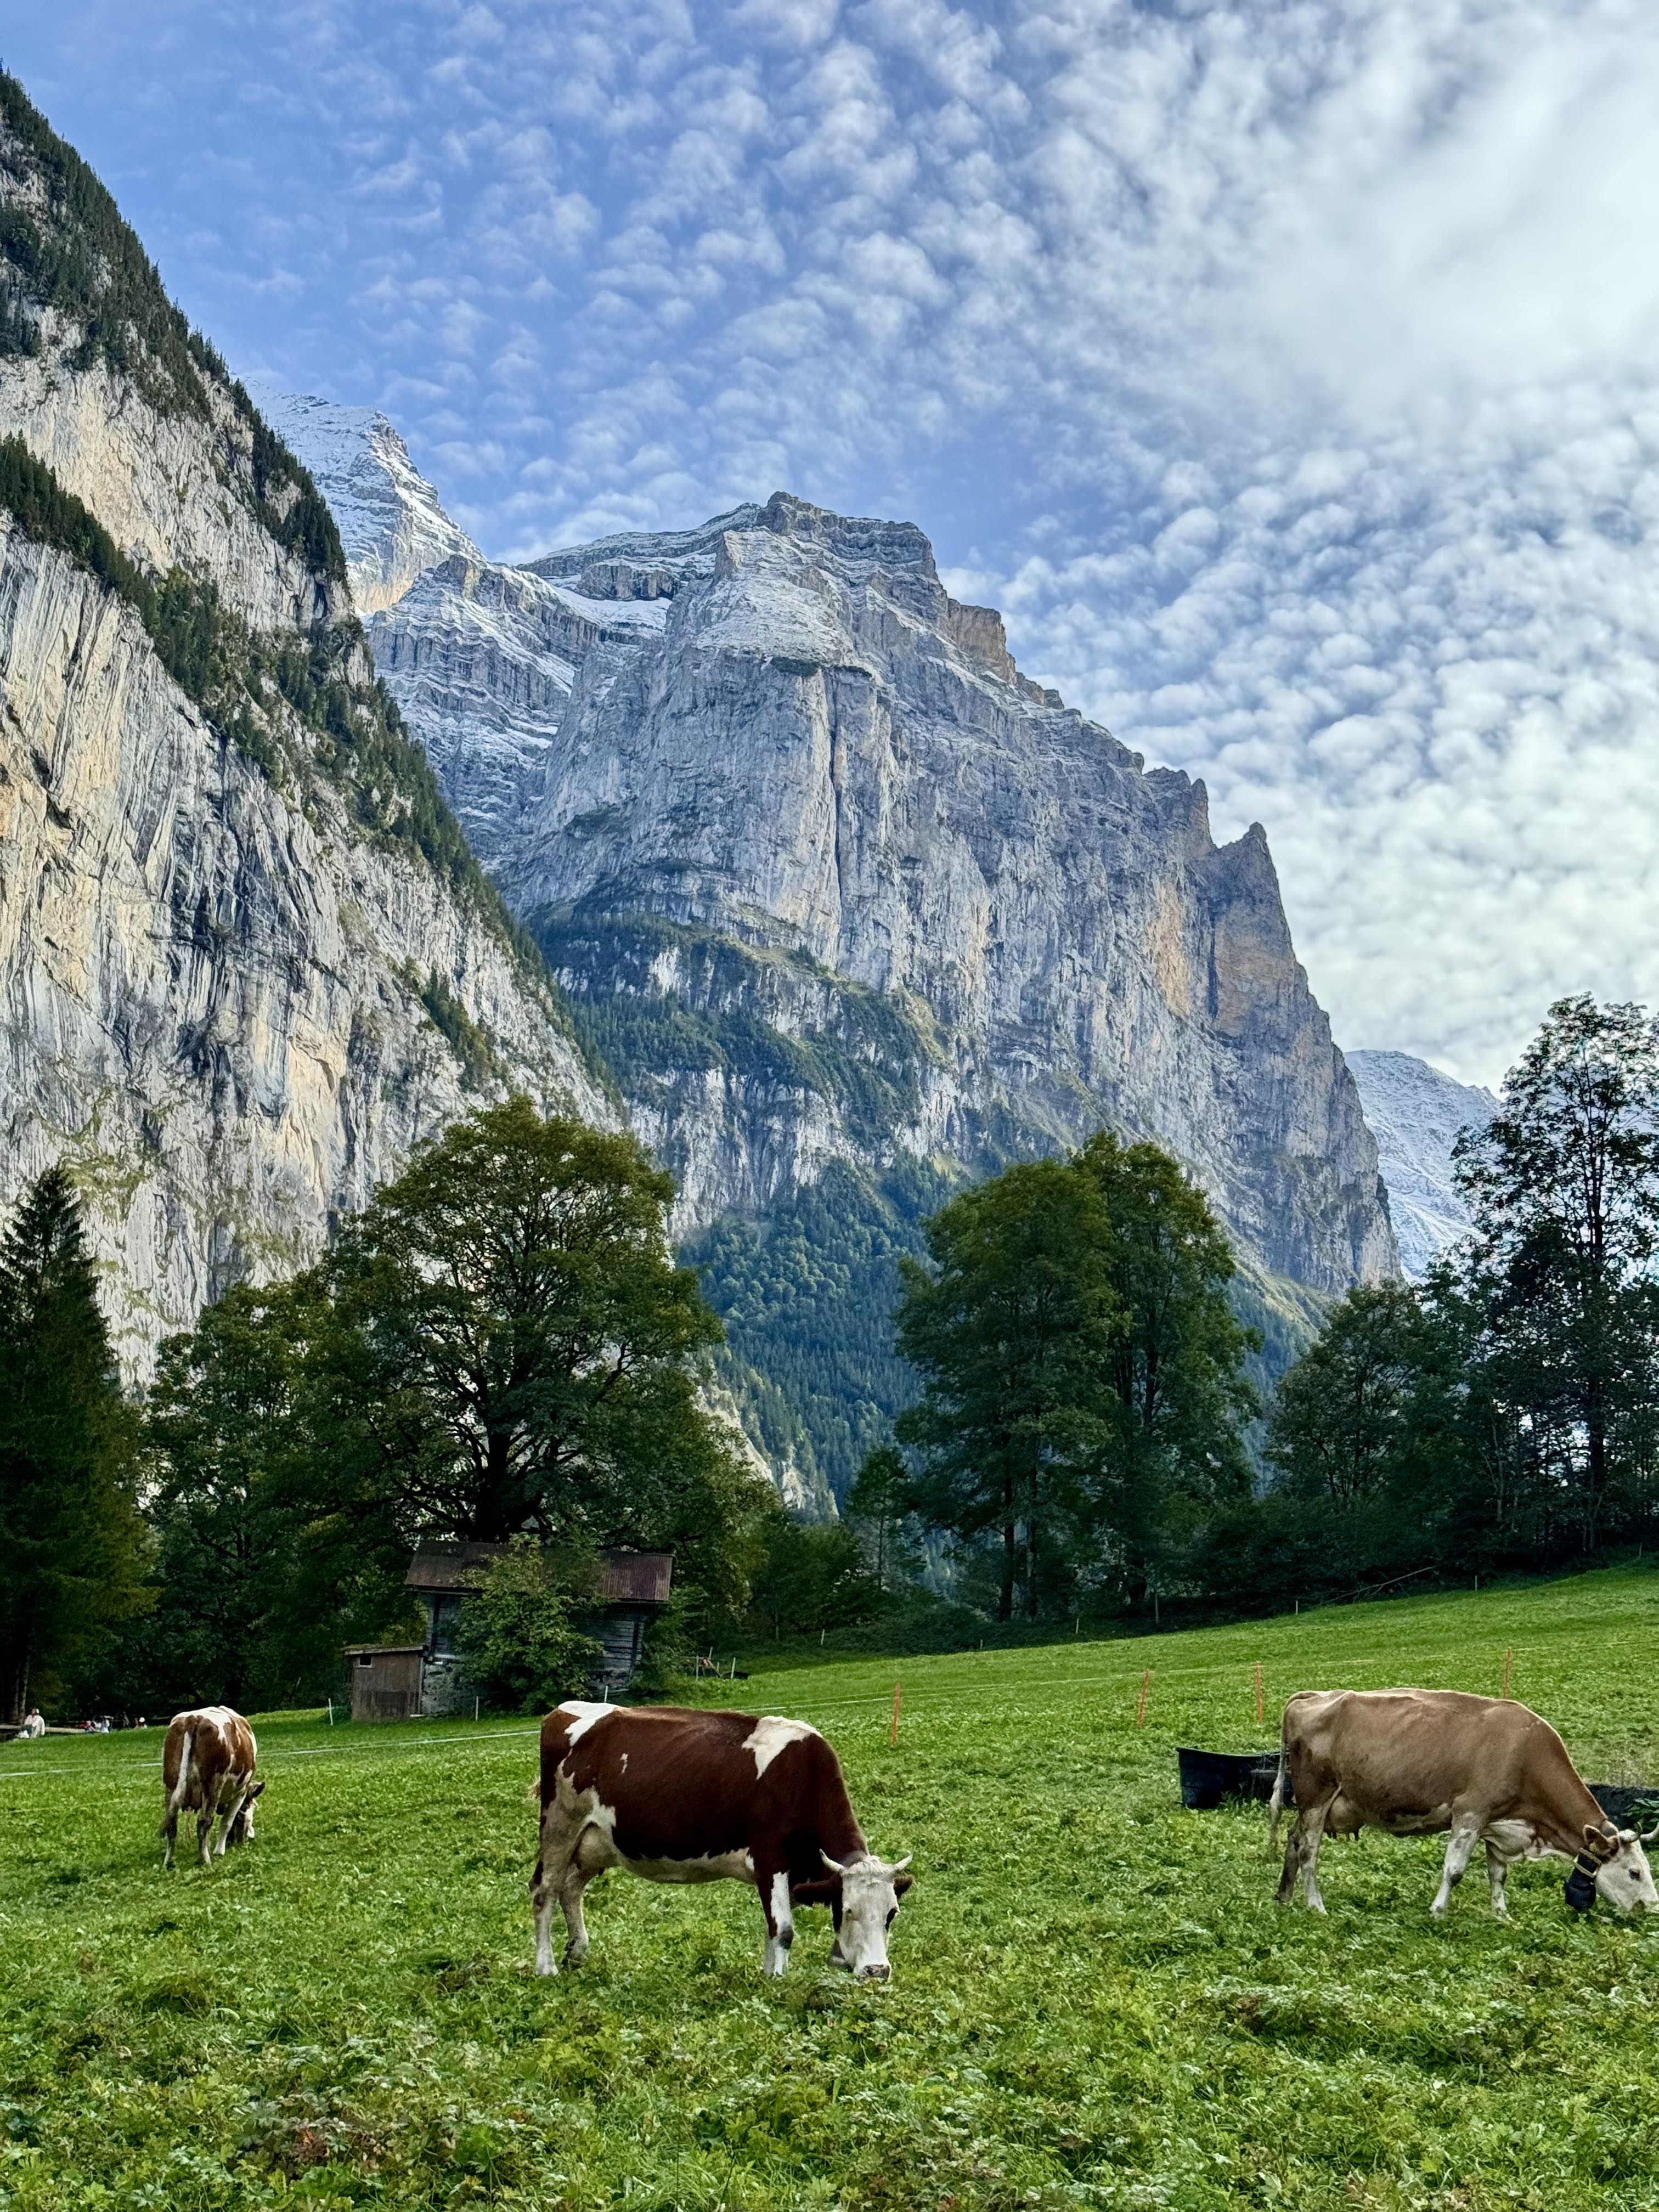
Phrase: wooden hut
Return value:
(386, 1680)
(409, 1681)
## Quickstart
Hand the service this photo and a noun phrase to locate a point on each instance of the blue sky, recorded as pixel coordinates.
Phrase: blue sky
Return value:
(1288, 372)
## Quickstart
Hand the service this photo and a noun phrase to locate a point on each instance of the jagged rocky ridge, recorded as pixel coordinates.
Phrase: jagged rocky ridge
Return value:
(1417, 1113)
(245, 960)
(851, 906)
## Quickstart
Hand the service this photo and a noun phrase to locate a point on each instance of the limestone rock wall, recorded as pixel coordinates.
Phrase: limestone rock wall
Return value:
(203, 1001)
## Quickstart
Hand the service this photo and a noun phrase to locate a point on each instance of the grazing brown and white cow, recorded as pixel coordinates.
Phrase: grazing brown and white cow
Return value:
(1422, 1762)
(681, 1796)
(207, 1768)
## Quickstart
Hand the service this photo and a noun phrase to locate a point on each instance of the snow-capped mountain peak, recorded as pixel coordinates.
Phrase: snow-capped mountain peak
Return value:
(390, 521)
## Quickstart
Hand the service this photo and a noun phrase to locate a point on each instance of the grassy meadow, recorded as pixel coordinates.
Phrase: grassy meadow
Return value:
(1095, 2000)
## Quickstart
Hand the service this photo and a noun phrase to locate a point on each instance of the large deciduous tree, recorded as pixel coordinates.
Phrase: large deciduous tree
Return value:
(506, 1347)
(71, 1541)
(1343, 1415)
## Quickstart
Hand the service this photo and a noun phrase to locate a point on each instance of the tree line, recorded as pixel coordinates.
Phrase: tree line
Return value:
(501, 1347)
(1085, 1441)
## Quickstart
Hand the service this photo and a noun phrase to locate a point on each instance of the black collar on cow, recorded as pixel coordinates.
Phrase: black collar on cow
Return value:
(1599, 1848)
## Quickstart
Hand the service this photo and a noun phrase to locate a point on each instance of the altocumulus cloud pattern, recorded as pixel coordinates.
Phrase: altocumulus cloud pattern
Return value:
(1288, 372)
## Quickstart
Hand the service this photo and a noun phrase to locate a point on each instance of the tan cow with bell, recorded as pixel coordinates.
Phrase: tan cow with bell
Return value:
(207, 1768)
(1433, 1762)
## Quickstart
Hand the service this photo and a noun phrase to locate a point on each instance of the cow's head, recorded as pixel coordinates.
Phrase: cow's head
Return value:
(870, 1894)
(241, 1831)
(1614, 1864)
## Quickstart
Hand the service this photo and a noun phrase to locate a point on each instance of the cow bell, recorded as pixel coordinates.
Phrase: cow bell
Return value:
(1581, 1882)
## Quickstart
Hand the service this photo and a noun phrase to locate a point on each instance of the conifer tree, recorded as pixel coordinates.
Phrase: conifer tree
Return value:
(878, 1510)
(70, 1537)
(1563, 1188)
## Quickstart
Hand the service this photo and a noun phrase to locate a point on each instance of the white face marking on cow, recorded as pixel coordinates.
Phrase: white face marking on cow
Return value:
(771, 1735)
(868, 1902)
(585, 1714)
(1627, 1879)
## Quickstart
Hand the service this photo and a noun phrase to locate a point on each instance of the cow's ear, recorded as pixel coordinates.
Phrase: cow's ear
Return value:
(1598, 1843)
(903, 1883)
(819, 1891)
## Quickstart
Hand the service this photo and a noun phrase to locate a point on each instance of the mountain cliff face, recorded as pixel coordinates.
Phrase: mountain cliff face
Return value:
(245, 960)
(1417, 1114)
(851, 906)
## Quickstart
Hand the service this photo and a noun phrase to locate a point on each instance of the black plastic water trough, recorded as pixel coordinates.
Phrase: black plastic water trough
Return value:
(1632, 1805)
(1209, 1778)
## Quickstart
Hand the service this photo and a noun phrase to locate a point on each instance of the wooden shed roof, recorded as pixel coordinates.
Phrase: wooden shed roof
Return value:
(444, 1566)
(626, 1578)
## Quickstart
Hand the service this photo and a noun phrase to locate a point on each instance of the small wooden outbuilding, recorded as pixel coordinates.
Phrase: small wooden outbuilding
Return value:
(409, 1681)
(386, 1680)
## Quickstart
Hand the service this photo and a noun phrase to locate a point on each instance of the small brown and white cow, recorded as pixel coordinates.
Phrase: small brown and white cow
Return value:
(1423, 1762)
(207, 1768)
(676, 1795)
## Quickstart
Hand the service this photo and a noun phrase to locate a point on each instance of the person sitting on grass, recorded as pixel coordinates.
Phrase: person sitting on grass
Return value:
(33, 1724)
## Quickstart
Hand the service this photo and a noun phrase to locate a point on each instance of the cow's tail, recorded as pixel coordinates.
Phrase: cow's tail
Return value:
(180, 1789)
(1276, 1804)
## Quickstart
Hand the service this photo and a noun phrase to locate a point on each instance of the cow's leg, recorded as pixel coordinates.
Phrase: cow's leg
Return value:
(204, 1830)
(773, 1884)
(560, 1836)
(1498, 1873)
(1314, 1822)
(570, 1901)
(546, 1884)
(1302, 1857)
(1460, 1848)
(1293, 1861)
(228, 1818)
(587, 1863)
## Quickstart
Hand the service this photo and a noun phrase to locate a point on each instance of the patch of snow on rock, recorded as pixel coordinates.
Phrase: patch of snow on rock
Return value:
(1416, 1115)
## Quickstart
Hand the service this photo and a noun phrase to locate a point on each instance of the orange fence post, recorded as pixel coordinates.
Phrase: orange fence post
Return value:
(892, 1735)
(1261, 1709)
(1140, 1710)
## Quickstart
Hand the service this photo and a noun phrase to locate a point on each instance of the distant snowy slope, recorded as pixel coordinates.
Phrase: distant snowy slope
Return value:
(1415, 1115)
(390, 522)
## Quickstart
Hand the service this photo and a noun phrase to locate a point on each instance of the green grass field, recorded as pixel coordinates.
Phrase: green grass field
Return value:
(1095, 2000)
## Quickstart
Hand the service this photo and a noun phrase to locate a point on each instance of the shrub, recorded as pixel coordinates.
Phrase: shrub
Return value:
(517, 1632)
